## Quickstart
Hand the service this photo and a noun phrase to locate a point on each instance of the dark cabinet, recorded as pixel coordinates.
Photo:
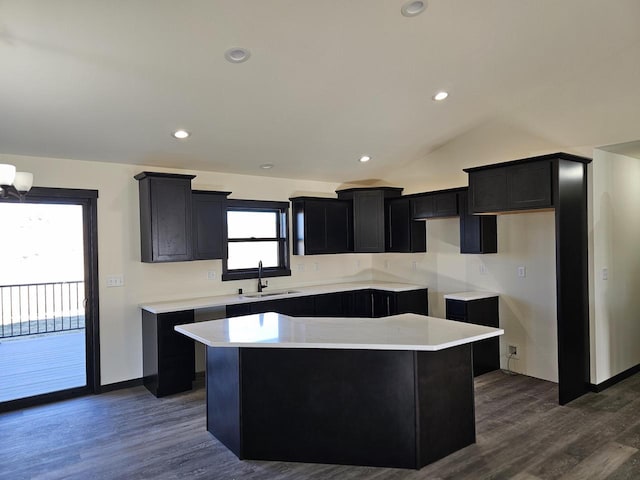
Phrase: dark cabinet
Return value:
(322, 226)
(168, 362)
(238, 310)
(478, 233)
(412, 301)
(209, 219)
(529, 185)
(435, 204)
(403, 234)
(165, 217)
(517, 186)
(380, 303)
(367, 303)
(483, 311)
(369, 216)
(332, 304)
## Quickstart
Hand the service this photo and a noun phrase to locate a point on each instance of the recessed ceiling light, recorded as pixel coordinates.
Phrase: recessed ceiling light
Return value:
(440, 96)
(364, 158)
(237, 55)
(181, 134)
(413, 8)
(266, 166)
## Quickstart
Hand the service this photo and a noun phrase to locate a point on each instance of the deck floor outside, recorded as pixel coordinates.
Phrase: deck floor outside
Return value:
(39, 364)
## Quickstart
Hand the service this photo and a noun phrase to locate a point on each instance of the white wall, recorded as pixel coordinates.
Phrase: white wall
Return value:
(614, 211)
(527, 306)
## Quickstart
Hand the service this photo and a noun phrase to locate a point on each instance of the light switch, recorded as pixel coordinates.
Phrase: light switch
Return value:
(522, 272)
(115, 281)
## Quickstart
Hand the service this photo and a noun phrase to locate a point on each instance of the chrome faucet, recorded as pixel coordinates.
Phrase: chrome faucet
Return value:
(260, 284)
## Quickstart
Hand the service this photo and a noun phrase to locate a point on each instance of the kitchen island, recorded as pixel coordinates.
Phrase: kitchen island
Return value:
(394, 391)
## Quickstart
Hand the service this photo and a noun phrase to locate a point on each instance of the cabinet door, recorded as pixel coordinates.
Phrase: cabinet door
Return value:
(322, 226)
(488, 190)
(529, 185)
(445, 204)
(383, 303)
(339, 225)
(413, 301)
(209, 221)
(331, 305)
(398, 225)
(423, 207)
(368, 212)
(403, 234)
(478, 233)
(361, 304)
(165, 217)
(238, 310)
(486, 353)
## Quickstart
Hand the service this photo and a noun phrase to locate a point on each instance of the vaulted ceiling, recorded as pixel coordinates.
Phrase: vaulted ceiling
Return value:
(326, 82)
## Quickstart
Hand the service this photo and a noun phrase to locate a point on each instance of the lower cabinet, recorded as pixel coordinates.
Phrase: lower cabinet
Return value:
(357, 303)
(169, 357)
(168, 362)
(484, 311)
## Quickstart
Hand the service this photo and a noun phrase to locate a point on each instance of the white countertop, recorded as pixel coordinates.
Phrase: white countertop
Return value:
(468, 296)
(221, 300)
(399, 332)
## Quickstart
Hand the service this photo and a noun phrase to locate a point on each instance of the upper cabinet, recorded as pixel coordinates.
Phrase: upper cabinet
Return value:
(209, 221)
(443, 203)
(478, 233)
(321, 225)
(403, 234)
(369, 216)
(514, 186)
(165, 217)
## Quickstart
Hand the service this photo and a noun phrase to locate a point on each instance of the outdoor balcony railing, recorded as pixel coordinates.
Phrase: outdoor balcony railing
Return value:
(41, 308)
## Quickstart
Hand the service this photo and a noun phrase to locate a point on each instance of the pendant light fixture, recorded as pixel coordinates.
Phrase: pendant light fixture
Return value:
(14, 184)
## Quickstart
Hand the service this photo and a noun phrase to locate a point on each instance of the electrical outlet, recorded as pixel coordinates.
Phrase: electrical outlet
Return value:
(513, 351)
(522, 272)
(211, 275)
(414, 265)
(483, 269)
(386, 264)
(316, 266)
(357, 263)
(115, 281)
(605, 274)
(301, 267)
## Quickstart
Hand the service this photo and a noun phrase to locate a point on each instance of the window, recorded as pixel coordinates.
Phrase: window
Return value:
(256, 232)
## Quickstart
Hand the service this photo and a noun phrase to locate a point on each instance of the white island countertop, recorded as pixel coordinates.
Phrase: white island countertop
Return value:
(248, 297)
(469, 296)
(408, 331)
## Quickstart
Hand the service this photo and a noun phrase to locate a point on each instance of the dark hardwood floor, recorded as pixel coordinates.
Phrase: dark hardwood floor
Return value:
(522, 434)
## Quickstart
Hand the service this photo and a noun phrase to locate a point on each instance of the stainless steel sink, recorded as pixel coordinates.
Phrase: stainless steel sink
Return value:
(268, 294)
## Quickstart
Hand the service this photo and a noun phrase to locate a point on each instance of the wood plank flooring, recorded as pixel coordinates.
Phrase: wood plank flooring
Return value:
(522, 434)
(39, 364)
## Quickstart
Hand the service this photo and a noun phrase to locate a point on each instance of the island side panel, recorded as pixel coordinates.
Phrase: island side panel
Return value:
(329, 406)
(223, 396)
(445, 397)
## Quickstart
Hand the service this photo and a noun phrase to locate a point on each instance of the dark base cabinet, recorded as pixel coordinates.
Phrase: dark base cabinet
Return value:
(358, 303)
(486, 353)
(168, 362)
(382, 408)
